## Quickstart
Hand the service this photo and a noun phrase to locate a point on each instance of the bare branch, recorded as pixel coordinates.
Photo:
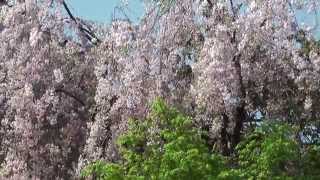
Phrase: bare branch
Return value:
(232, 8)
(86, 31)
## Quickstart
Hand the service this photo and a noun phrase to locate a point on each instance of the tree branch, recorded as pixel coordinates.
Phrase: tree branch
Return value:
(68, 11)
(87, 32)
(59, 90)
(210, 3)
(232, 8)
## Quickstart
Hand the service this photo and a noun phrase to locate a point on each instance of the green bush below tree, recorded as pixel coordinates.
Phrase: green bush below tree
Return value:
(166, 146)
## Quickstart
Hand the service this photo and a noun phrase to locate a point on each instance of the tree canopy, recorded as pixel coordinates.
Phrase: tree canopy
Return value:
(69, 87)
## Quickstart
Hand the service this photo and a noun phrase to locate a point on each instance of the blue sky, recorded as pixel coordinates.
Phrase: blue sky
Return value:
(101, 10)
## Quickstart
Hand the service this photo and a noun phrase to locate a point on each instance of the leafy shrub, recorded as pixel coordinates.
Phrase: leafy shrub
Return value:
(272, 152)
(102, 170)
(311, 162)
(164, 146)
(167, 146)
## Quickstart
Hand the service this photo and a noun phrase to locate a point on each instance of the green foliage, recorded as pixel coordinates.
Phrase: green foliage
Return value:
(102, 170)
(272, 152)
(164, 146)
(311, 162)
(269, 152)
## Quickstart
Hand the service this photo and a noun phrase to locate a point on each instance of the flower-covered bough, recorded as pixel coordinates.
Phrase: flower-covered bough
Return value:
(68, 87)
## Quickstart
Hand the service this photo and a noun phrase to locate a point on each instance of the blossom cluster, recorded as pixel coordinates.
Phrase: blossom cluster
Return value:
(63, 103)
